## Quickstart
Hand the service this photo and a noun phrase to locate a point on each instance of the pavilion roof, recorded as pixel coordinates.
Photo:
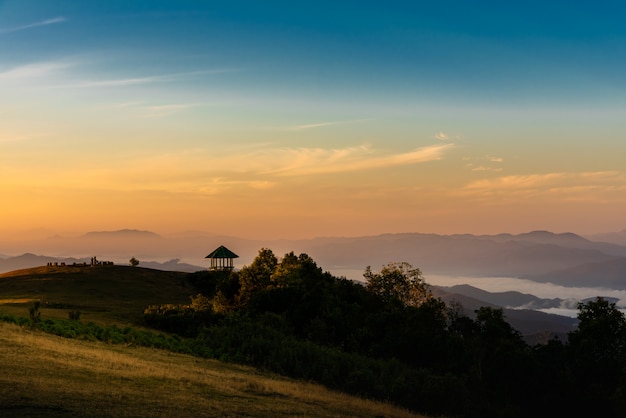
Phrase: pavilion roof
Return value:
(222, 252)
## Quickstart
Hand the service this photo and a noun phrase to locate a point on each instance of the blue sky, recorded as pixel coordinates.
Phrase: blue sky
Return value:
(342, 118)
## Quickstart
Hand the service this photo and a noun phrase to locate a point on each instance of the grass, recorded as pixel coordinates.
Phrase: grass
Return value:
(44, 375)
(103, 294)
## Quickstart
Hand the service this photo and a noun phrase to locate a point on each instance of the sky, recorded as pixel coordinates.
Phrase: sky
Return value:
(282, 119)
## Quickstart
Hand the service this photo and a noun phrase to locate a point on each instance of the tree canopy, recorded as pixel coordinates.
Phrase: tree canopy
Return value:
(398, 281)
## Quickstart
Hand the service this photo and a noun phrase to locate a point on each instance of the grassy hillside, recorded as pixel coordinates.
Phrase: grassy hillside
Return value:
(43, 375)
(105, 294)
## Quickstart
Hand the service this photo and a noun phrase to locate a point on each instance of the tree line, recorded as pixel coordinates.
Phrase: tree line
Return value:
(389, 338)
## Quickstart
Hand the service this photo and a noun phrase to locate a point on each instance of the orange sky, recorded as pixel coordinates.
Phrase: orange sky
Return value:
(285, 125)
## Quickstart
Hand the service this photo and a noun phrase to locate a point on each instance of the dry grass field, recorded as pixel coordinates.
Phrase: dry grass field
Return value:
(47, 376)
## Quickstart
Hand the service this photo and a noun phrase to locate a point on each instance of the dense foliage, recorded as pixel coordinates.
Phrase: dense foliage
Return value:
(388, 339)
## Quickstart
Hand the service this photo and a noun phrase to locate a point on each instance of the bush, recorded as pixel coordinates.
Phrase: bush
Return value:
(74, 315)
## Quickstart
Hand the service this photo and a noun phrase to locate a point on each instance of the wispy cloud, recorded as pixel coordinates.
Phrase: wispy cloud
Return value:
(201, 171)
(311, 161)
(442, 136)
(484, 168)
(131, 81)
(29, 71)
(580, 186)
(166, 110)
(322, 124)
(484, 163)
(122, 105)
(46, 22)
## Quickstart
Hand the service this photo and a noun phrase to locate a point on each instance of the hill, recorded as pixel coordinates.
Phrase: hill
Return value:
(44, 376)
(536, 327)
(110, 294)
(610, 274)
(29, 260)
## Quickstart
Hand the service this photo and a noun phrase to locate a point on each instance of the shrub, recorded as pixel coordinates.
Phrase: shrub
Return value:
(74, 315)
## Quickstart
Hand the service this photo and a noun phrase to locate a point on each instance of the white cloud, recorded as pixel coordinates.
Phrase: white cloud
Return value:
(30, 71)
(131, 81)
(120, 82)
(46, 22)
(442, 136)
(322, 124)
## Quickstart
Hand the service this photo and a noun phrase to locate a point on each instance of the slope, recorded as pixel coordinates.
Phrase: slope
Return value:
(43, 375)
(107, 294)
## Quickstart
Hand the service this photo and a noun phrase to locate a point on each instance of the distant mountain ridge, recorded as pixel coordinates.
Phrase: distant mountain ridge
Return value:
(510, 299)
(29, 260)
(122, 233)
(536, 255)
(610, 273)
(466, 255)
(618, 238)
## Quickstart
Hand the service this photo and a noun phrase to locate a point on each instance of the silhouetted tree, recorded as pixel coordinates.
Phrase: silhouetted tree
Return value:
(256, 276)
(34, 313)
(598, 357)
(398, 282)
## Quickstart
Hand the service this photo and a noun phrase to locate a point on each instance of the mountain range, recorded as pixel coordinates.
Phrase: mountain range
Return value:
(566, 259)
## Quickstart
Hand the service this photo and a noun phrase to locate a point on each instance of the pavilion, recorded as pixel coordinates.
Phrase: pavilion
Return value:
(222, 259)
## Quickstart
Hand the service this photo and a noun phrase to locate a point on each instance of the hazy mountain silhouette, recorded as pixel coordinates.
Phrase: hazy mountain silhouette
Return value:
(122, 234)
(465, 255)
(535, 326)
(611, 274)
(531, 255)
(29, 260)
(509, 299)
(618, 238)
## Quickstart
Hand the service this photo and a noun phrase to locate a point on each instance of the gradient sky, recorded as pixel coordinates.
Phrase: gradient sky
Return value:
(294, 119)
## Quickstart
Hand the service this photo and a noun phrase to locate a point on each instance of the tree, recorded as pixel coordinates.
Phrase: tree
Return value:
(601, 332)
(597, 352)
(398, 282)
(133, 262)
(34, 313)
(256, 276)
(502, 362)
(296, 270)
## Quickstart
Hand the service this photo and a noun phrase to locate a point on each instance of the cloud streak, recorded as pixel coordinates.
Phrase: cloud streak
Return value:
(46, 22)
(313, 161)
(159, 111)
(132, 81)
(576, 186)
(322, 124)
(30, 71)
